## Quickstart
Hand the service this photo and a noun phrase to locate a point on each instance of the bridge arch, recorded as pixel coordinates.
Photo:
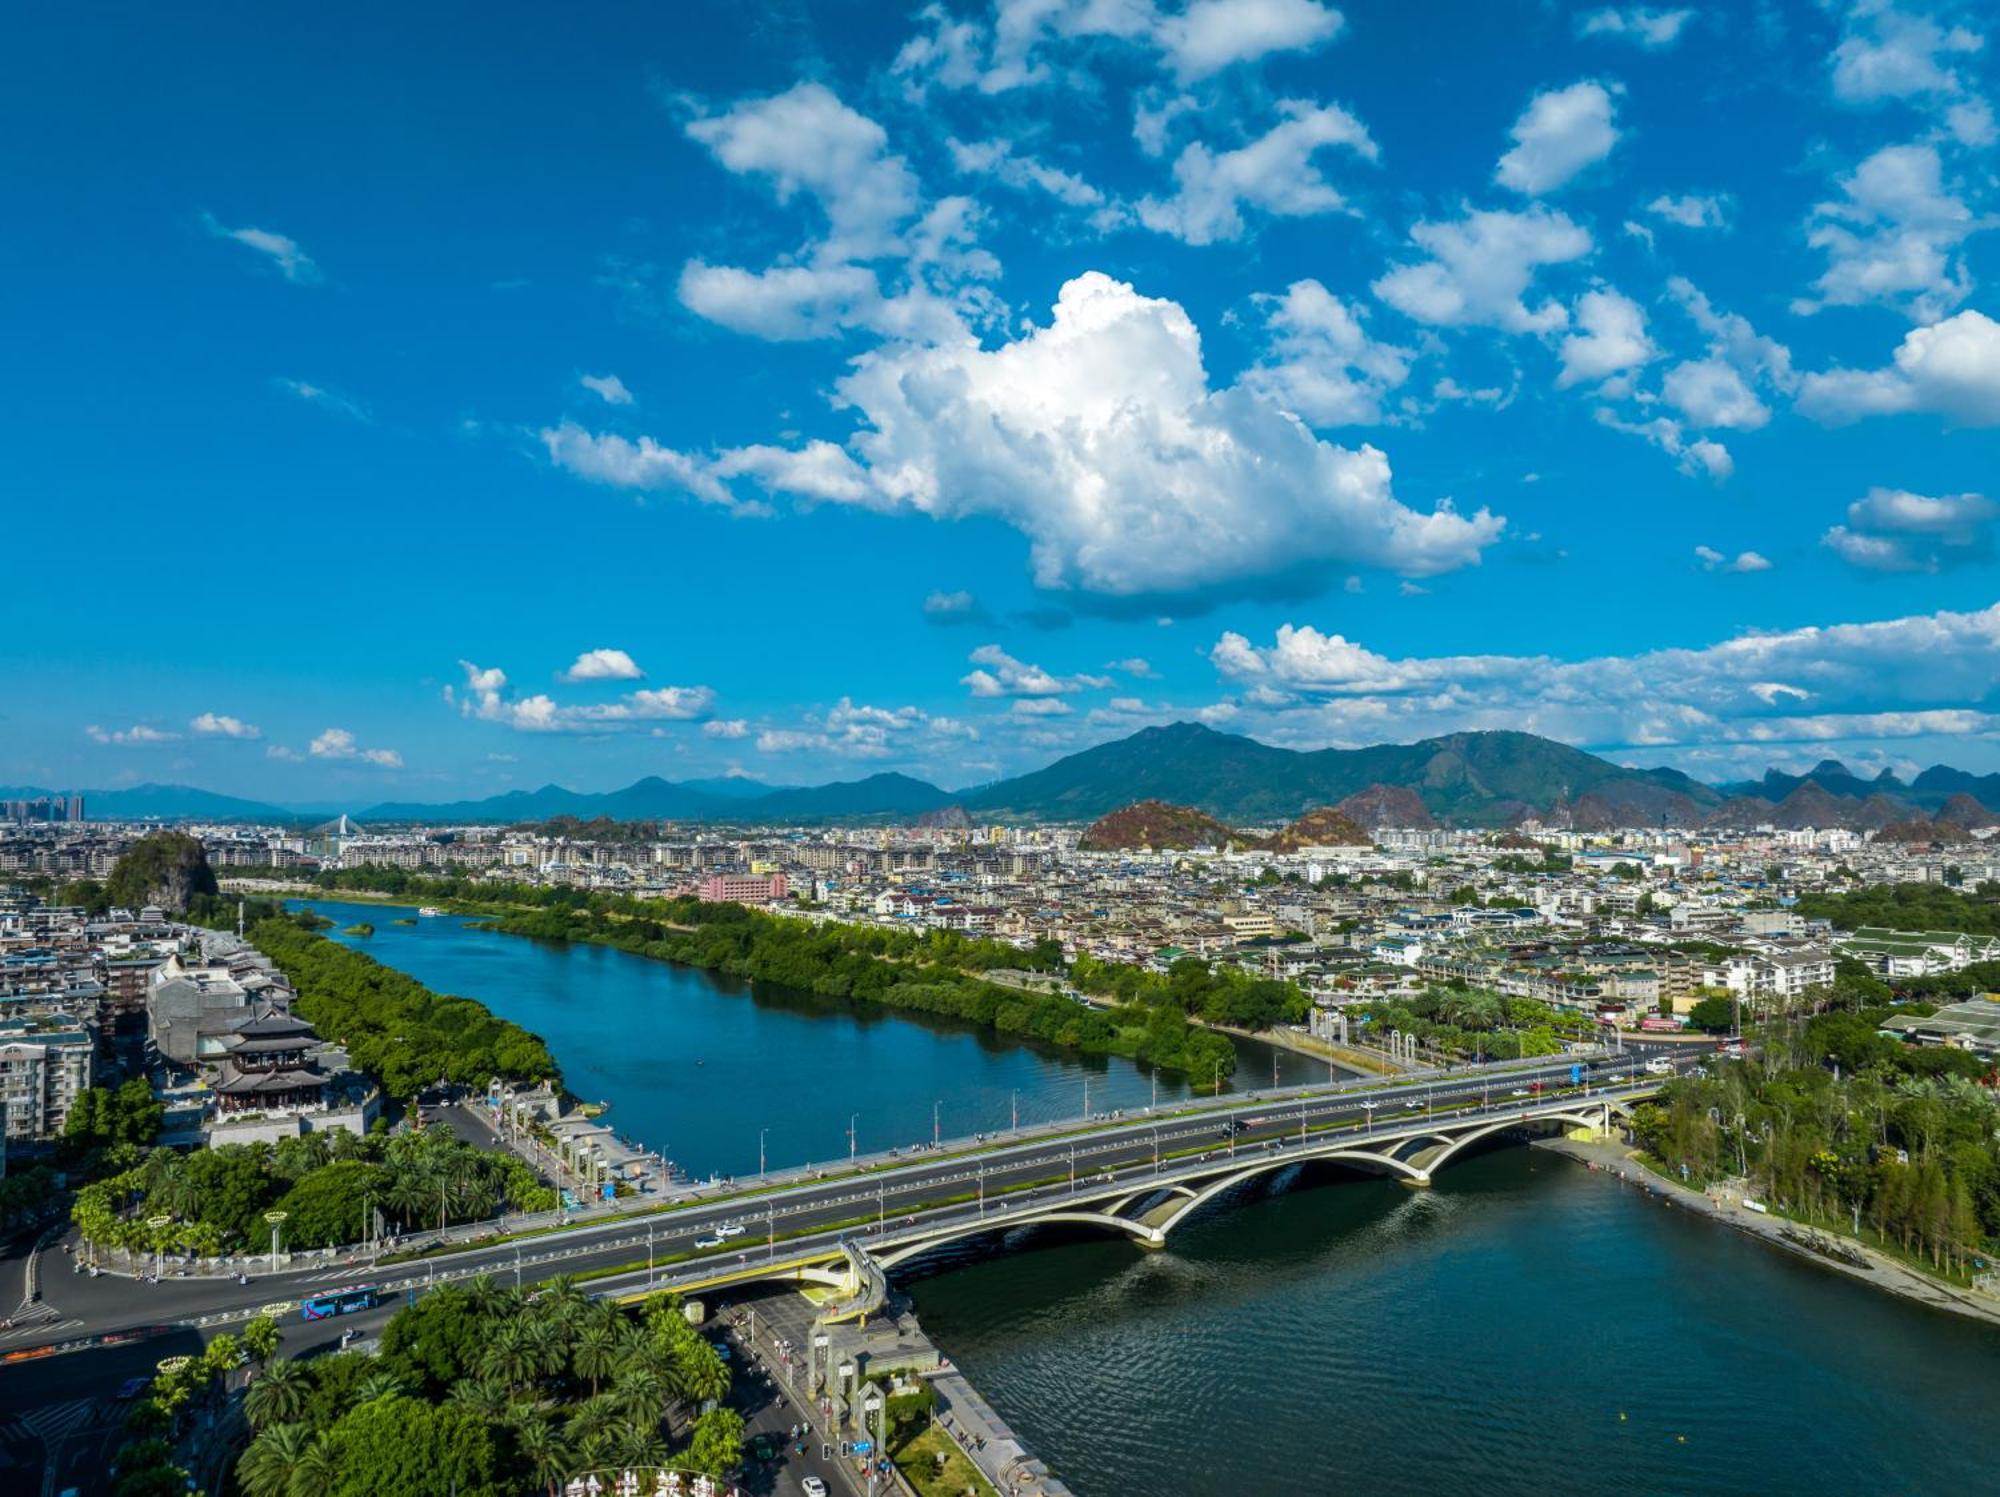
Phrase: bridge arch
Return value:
(1599, 1117)
(902, 1252)
(1236, 1177)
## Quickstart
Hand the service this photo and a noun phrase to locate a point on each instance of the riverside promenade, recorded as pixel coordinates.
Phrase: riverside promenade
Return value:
(1856, 1260)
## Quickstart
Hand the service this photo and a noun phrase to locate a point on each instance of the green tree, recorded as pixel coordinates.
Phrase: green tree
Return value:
(412, 1449)
(717, 1444)
(268, 1466)
(277, 1395)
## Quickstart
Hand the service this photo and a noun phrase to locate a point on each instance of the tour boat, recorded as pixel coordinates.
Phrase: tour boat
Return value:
(430, 909)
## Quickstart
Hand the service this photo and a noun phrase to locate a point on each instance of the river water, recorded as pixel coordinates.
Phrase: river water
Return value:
(1524, 1327)
(695, 1065)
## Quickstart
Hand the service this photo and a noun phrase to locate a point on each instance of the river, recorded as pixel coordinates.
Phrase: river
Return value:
(695, 1064)
(1524, 1327)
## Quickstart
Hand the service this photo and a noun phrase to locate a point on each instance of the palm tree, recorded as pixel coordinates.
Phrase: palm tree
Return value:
(591, 1423)
(642, 1390)
(486, 1296)
(317, 1471)
(547, 1344)
(596, 1353)
(278, 1395)
(509, 1356)
(487, 1396)
(378, 1384)
(542, 1446)
(267, 1467)
(636, 1443)
(704, 1377)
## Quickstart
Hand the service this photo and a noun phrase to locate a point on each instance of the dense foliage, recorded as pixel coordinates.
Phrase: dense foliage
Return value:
(394, 1027)
(161, 868)
(1475, 1025)
(324, 1182)
(1833, 1122)
(1908, 907)
(481, 1389)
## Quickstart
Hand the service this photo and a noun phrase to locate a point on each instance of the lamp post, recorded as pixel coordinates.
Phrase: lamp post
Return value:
(277, 1220)
(761, 1133)
(853, 1118)
(936, 1125)
(159, 1224)
(1368, 1111)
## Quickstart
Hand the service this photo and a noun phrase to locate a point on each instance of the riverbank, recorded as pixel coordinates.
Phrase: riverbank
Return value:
(1876, 1269)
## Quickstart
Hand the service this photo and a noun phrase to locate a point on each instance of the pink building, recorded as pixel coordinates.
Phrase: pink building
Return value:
(742, 888)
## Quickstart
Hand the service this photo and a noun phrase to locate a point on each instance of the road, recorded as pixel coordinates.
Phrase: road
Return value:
(784, 1217)
(54, 1376)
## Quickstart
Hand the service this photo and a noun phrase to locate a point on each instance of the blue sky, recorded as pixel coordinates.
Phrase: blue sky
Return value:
(425, 401)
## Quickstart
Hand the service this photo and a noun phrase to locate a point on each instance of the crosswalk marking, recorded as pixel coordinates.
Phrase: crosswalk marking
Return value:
(54, 1421)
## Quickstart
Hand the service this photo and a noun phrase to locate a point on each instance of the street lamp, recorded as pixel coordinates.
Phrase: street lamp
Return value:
(277, 1220)
(761, 1132)
(1369, 1107)
(936, 1134)
(159, 1224)
(853, 1118)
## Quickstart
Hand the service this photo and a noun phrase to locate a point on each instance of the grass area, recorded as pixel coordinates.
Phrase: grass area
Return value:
(918, 1461)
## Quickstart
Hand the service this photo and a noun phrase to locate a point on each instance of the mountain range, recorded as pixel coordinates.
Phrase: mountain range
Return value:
(1462, 779)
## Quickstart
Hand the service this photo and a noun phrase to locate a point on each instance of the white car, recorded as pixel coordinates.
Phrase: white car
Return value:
(729, 1229)
(703, 1244)
(812, 1486)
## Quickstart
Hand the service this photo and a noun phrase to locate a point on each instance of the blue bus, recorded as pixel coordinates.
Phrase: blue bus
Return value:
(341, 1302)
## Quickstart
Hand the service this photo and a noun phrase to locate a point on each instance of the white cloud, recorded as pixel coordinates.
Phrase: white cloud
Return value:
(784, 303)
(1651, 29)
(1971, 124)
(1710, 393)
(622, 463)
(1134, 666)
(1321, 363)
(325, 399)
(1275, 173)
(1921, 675)
(338, 743)
(1951, 368)
(1691, 212)
(953, 608)
(858, 731)
(1562, 131)
(1893, 237)
(1000, 160)
(280, 751)
(806, 140)
(726, 727)
(485, 697)
(1894, 530)
(1001, 675)
(1480, 268)
(292, 262)
(137, 736)
(1100, 438)
(607, 387)
(817, 471)
(221, 725)
(1700, 456)
(1610, 339)
(1040, 707)
(1211, 35)
(1889, 53)
(1713, 560)
(603, 665)
(1200, 39)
